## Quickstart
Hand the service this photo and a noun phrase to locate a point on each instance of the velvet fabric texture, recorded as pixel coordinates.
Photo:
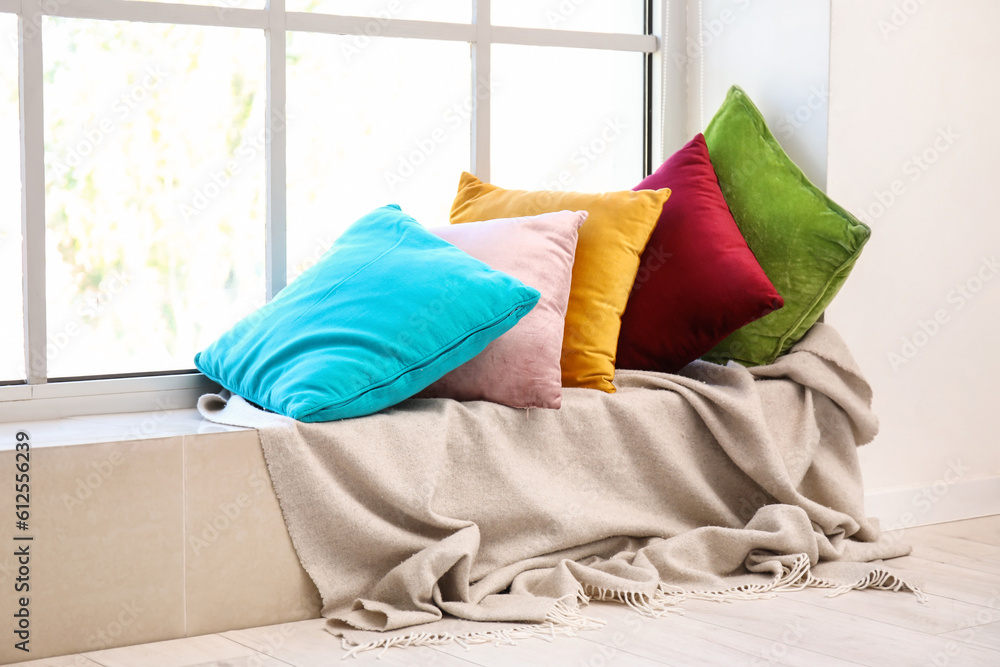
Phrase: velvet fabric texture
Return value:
(805, 242)
(697, 281)
(607, 258)
(389, 309)
(520, 368)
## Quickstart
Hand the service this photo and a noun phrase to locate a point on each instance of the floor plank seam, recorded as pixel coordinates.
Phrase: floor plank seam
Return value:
(257, 652)
(623, 650)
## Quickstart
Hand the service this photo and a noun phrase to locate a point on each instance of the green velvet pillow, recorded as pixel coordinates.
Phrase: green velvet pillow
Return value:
(806, 243)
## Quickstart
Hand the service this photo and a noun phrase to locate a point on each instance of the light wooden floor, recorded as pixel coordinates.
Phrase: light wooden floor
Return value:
(957, 564)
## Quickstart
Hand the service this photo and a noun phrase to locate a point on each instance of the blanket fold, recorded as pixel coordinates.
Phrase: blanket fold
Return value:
(439, 521)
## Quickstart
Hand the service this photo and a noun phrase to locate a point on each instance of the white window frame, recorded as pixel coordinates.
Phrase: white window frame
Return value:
(39, 398)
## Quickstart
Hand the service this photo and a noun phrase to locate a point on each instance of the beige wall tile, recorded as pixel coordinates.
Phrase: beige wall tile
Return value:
(106, 561)
(242, 570)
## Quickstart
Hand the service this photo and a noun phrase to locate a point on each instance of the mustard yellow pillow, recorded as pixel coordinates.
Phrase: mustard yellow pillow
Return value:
(607, 259)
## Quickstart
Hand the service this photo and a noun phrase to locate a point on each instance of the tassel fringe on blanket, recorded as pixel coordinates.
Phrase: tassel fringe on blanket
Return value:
(566, 619)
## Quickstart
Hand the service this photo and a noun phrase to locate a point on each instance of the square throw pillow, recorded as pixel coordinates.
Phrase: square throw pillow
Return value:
(805, 242)
(697, 281)
(607, 258)
(389, 309)
(520, 368)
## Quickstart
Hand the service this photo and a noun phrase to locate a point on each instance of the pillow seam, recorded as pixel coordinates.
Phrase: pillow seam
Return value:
(450, 346)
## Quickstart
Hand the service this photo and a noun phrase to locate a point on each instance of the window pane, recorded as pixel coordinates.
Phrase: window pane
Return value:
(569, 137)
(11, 319)
(448, 11)
(154, 191)
(388, 125)
(627, 16)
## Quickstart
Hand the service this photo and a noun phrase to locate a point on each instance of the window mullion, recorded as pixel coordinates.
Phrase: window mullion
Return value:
(32, 189)
(481, 87)
(276, 256)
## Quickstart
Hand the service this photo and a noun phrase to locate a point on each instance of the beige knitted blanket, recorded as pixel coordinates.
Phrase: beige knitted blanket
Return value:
(437, 520)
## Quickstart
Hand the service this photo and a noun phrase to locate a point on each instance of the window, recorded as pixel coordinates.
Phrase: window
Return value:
(154, 197)
(182, 161)
(624, 16)
(582, 129)
(370, 123)
(11, 318)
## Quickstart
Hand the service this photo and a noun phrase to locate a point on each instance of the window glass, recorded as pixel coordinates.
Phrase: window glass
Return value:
(387, 124)
(448, 11)
(624, 16)
(583, 127)
(11, 317)
(155, 200)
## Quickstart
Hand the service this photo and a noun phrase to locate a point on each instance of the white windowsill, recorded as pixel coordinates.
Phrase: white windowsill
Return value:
(121, 427)
(119, 396)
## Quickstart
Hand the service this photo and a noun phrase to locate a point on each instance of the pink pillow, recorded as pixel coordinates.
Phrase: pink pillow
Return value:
(520, 368)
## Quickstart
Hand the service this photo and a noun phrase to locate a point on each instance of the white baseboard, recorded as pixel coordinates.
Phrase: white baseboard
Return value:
(909, 506)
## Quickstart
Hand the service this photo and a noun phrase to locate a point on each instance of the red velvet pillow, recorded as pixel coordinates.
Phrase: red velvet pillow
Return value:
(698, 281)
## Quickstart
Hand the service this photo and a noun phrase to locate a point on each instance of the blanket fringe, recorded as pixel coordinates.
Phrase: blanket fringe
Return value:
(878, 579)
(797, 577)
(566, 620)
(794, 578)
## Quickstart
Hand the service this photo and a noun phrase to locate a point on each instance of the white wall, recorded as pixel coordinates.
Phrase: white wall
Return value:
(776, 50)
(914, 143)
(905, 77)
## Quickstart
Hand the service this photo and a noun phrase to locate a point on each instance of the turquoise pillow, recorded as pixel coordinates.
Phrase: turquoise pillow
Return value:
(389, 309)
